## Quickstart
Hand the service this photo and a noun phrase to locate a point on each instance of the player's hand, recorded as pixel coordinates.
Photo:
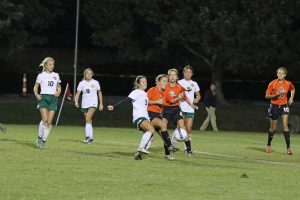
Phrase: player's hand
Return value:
(160, 101)
(38, 97)
(110, 107)
(195, 107)
(76, 104)
(180, 96)
(195, 101)
(101, 107)
(291, 101)
(57, 93)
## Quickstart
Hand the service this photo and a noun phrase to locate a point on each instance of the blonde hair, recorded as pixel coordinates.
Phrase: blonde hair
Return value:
(44, 63)
(159, 77)
(172, 70)
(188, 67)
(137, 81)
(283, 69)
(85, 71)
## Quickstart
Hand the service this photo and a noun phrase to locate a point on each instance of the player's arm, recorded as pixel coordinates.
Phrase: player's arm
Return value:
(36, 91)
(76, 98)
(291, 99)
(100, 100)
(119, 103)
(271, 96)
(156, 102)
(58, 90)
(198, 97)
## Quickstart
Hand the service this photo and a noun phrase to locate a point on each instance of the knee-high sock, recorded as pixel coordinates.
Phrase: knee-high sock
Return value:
(270, 138)
(287, 138)
(167, 152)
(188, 146)
(47, 131)
(41, 129)
(166, 138)
(145, 139)
(89, 130)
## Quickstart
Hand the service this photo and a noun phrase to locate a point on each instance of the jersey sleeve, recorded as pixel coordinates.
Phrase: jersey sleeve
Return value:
(270, 88)
(80, 86)
(291, 86)
(39, 79)
(133, 95)
(58, 79)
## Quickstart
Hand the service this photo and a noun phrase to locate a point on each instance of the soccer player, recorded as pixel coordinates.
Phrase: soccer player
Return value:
(155, 96)
(191, 90)
(173, 94)
(49, 83)
(91, 91)
(141, 120)
(2, 128)
(277, 91)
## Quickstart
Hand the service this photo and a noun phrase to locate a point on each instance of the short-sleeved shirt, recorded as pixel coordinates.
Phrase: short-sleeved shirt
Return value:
(48, 82)
(139, 104)
(190, 87)
(89, 91)
(154, 94)
(283, 86)
(171, 93)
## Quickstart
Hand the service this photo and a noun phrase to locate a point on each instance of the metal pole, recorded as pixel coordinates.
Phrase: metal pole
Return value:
(76, 49)
(62, 104)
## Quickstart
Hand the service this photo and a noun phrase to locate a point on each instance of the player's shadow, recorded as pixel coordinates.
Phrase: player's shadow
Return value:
(26, 143)
(7, 140)
(104, 154)
(260, 149)
(71, 140)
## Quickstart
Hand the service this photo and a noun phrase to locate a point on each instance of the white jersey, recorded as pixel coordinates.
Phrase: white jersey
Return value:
(89, 91)
(48, 82)
(190, 87)
(139, 104)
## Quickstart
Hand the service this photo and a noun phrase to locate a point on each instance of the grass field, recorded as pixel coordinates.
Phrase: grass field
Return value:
(70, 169)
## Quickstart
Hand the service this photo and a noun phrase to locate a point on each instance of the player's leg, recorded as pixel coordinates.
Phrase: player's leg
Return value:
(206, 121)
(188, 121)
(48, 126)
(274, 115)
(88, 124)
(42, 125)
(286, 133)
(213, 118)
(2, 128)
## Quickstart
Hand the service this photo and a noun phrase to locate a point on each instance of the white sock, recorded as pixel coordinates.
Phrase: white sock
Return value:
(145, 140)
(47, 131)
(41, 129)
(89, 130)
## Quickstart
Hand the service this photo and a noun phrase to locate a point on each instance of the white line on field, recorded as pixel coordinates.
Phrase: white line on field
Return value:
(239, 158)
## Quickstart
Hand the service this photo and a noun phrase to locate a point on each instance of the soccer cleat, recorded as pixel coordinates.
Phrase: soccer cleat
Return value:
(268, 149)
(89, 141)
(37, 143)
(170, 156)
(289, 151)
(2, 128)
(142, 150)
(42, 144)
(190, 154)
(173, 149)
(86, 140)
(138, 156)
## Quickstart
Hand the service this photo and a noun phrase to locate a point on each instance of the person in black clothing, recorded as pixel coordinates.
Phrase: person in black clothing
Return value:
(210, 106)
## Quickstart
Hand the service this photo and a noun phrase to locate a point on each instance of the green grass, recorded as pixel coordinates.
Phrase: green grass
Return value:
(70, 169)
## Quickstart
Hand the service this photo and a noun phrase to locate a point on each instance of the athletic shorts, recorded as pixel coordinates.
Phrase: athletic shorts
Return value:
(187, 115)
(172, 113)
(153, 115)
(275, 111)
(48, 101)
(138, 122)
(85, 110)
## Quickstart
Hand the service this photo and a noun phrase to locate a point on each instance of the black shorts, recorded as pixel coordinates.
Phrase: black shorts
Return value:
(153, 115)
(275, 111)
(172, 113)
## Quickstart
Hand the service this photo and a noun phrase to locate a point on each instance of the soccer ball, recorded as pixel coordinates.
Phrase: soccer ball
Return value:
(180, 134)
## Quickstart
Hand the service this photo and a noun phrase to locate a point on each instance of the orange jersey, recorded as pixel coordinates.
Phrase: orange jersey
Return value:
(153, 95)
(275, 86)
(171, 93)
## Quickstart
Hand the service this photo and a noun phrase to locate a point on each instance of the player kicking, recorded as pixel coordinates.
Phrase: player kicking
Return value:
(173, 94)
(49, 82)
(155, 96)
(139, 100)
(277, 91)
(91, 91)
(191, 90)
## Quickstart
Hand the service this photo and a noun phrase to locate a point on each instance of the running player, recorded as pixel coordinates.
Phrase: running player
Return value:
(91, 91)
(141, 120)
(191, 90)
(173, 94)
(155, 95)
(49, 82)
(2, 128)
(277, 91)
